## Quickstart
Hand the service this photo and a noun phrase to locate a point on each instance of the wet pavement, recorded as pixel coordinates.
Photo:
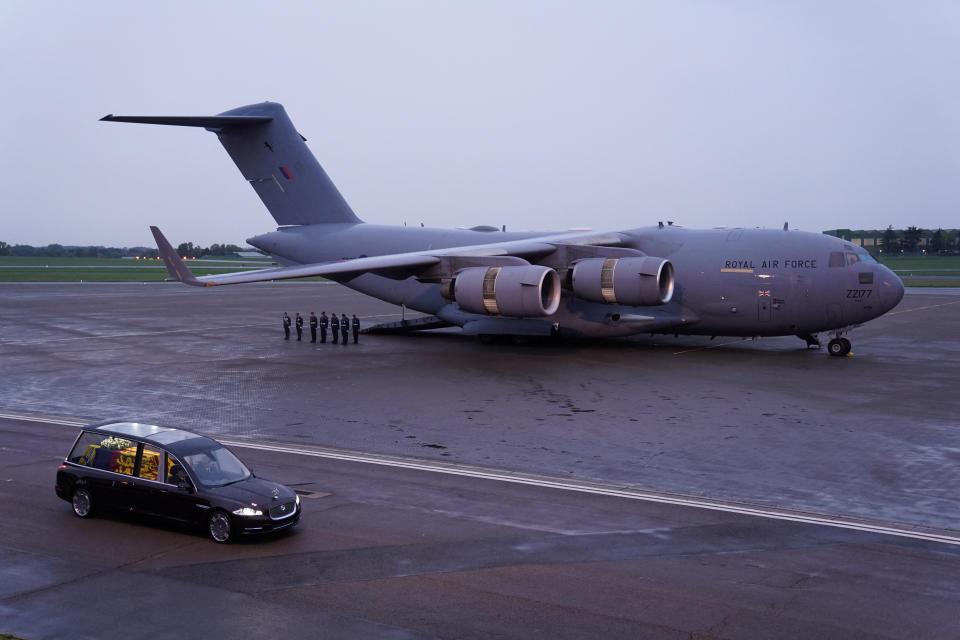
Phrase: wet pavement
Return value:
(386, 552)
(399, 553)
(765, 421)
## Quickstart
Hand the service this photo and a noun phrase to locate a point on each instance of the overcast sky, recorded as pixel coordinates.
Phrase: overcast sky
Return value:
(538, 115)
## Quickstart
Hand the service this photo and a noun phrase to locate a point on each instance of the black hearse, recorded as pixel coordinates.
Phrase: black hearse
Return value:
(173, 474)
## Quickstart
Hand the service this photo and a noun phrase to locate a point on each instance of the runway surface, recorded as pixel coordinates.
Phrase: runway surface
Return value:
(399, 553)
(766, 423)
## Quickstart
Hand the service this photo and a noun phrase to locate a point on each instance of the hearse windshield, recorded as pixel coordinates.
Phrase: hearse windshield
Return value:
(216, 467)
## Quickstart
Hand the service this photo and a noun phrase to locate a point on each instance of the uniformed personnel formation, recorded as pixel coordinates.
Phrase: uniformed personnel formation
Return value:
(340, 327)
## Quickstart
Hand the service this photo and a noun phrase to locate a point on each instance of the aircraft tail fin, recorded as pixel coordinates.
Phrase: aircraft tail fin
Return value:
(273, 158)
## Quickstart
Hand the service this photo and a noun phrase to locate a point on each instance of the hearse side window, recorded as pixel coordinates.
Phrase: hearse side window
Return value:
(151, 462)
(85, 448)
(110, 453)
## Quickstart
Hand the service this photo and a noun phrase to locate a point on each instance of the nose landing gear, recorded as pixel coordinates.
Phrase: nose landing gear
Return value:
(839, 346)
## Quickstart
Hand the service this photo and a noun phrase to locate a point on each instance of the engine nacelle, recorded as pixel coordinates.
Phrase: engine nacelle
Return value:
(637, 281)
(520, 291)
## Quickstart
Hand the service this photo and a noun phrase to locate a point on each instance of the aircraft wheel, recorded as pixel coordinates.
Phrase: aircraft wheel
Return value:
(838, 347)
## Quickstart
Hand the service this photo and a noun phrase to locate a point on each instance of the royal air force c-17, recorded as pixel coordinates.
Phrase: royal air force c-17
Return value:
(661, 279)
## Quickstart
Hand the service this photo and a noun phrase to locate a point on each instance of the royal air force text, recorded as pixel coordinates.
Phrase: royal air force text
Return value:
(789, 263)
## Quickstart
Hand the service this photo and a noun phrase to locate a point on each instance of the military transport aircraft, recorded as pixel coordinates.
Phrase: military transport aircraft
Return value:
(658, 279)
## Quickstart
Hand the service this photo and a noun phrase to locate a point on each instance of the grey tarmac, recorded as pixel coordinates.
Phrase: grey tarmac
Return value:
(396, 553)
(764, 422)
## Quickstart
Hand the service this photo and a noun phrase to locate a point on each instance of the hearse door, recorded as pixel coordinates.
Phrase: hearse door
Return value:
(179, 503)
(121, 464)
(148, 482)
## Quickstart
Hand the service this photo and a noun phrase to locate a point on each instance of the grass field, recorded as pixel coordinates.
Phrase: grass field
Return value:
(40, 269)
(925, 271)
(10, 261)
(900, 263)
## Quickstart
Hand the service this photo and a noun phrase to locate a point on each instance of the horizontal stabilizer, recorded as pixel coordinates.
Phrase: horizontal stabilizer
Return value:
(209, 122)
(175, 266)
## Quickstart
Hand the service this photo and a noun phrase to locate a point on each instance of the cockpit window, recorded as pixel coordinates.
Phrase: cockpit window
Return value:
(849, 258)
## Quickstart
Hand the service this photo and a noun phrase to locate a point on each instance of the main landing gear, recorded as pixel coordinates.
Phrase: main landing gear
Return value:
(810, 338)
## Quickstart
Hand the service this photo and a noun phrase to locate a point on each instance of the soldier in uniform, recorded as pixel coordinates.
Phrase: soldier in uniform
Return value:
(324, 323)
(334, 326)
(299, 323)
(313, 327)
(355, 324)
(344, 327)
(286, 326)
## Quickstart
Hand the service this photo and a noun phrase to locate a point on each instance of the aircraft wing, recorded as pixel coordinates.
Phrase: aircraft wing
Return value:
(407, 263)
(179, 271)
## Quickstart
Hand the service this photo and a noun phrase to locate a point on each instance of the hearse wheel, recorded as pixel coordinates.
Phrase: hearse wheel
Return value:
(82, 503)
(220, 527)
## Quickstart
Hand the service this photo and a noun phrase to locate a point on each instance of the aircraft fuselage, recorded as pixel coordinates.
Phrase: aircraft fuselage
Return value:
(742, 282)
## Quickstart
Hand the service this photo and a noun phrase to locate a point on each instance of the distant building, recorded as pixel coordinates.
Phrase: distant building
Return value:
(865, 238)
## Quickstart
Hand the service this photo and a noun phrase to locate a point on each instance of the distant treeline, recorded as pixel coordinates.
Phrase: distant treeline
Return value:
(909, 241)
(889, 241)
(186, 249)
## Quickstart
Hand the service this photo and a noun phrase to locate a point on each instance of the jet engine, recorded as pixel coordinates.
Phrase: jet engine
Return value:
(631, 281)
(517, 291)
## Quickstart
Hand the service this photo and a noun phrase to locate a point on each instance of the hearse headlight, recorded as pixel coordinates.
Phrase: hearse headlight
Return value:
(247, 511)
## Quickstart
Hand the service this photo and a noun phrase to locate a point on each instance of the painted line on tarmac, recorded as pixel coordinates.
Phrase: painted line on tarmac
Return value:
(595, 488)
(932, 306)
(67, 422)
(548, 482)
(711, 346)
(140, 334)
(129, 334)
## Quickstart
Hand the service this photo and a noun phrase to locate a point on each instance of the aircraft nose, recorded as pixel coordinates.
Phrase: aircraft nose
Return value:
(891, 287)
